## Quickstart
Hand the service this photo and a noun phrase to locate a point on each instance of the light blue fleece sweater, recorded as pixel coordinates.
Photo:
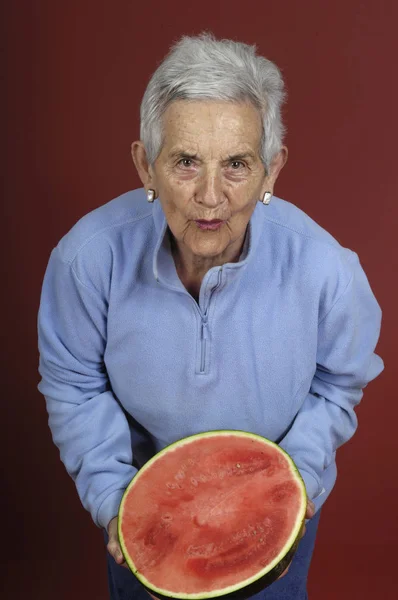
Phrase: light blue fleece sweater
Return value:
(280, 344)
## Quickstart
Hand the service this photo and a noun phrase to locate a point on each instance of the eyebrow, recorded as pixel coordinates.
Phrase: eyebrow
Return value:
(182, 153)
(241, 156)
(179, 152)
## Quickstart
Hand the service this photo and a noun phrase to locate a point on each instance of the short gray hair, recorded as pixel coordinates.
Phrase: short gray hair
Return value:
(204, 68)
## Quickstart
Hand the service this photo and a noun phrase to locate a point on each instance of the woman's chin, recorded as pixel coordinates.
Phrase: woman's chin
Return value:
(207, 250)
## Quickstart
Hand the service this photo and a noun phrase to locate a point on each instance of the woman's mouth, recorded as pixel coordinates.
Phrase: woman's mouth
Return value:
(210, 225)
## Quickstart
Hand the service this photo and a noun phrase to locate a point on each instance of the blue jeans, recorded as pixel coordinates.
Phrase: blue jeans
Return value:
(293, 586)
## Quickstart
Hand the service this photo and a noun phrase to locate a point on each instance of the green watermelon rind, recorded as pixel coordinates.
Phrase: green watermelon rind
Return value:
(245, 588)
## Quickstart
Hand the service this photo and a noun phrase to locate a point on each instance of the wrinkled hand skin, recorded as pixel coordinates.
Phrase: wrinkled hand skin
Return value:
(114, 549)
(309, 513)
(113, 546)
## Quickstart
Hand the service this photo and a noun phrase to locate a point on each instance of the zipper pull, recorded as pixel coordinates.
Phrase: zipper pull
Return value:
(205, 334)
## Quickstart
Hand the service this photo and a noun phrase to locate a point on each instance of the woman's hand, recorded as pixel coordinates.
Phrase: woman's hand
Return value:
(309, 513)
(113, 545)
(114, 549)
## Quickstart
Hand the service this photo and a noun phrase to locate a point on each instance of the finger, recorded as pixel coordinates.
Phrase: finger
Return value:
(310, 509)
(115, 551)
(284, 572)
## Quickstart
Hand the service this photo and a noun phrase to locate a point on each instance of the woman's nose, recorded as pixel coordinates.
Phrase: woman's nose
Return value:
(210, 191)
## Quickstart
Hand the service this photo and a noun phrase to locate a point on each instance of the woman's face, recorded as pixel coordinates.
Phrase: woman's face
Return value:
(209, 175)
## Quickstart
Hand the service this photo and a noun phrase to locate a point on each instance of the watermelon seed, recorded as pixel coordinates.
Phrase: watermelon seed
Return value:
(167, 517)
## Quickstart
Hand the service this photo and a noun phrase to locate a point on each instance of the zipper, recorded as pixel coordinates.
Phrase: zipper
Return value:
(204, 328)
(204, 338)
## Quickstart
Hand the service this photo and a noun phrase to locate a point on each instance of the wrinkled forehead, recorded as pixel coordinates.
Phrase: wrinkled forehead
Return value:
(200, 126)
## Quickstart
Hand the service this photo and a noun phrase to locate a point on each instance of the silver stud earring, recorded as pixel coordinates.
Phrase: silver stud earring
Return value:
(150, 195)
(267, 198)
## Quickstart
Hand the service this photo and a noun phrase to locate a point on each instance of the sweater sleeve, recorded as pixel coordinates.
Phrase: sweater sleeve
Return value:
(346, 363)
(88, 424)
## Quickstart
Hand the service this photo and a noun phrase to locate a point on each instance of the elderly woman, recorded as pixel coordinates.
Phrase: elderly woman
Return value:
(201, 301)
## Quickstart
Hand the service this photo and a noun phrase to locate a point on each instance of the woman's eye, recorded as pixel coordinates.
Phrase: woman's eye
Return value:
(183, 162)
(237, 162)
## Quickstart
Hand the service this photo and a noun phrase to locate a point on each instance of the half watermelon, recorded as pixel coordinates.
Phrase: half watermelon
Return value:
(217, 514)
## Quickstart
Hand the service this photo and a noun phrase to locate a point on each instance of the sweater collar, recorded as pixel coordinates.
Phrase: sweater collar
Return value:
(163, 263)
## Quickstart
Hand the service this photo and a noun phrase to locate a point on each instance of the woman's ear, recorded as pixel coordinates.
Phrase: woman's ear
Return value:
(278, 162)
(144, 170)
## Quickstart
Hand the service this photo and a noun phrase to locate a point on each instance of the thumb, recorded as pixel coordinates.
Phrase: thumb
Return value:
(115, 551)
(310, 509)
(113, 545)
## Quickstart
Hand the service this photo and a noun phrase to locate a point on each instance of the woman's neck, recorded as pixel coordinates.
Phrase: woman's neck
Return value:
(191, 268)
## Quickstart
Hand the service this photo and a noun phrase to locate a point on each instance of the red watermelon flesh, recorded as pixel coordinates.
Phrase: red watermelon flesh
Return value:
(211, 514)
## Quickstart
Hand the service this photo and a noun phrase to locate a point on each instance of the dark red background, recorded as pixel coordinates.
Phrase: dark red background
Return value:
(75, 75)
